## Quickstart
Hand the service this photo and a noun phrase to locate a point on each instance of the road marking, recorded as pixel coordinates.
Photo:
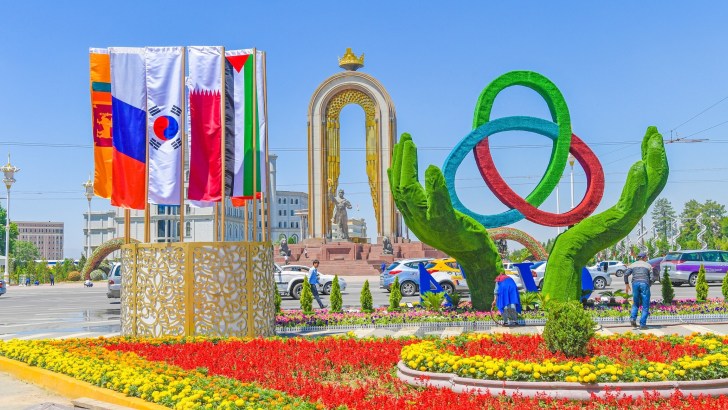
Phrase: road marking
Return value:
(35, 336)
(74, 335)
(406, 332)
(7, 336)
(702, 329)
(451, 331)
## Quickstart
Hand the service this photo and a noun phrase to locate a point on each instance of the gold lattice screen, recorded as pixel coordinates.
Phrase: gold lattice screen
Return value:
(333, 143)
(198, 288)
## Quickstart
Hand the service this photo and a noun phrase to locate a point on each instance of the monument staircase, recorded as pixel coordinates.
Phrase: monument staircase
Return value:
(354, 259)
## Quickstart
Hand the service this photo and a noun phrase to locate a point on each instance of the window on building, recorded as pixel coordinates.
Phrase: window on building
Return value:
(292, 212)
(284, 201)
(188, 229)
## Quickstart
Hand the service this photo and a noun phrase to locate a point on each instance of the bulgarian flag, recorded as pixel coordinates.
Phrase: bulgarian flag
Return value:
(245, 125)
(205, 86)
(101, 120)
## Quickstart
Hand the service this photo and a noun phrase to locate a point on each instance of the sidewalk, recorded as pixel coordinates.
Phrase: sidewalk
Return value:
(18, 395)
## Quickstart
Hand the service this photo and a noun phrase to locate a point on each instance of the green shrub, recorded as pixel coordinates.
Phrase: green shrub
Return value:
(668, 293)
(701, 286)
(306, 298)
(335, 298)
(74, 276)
(277, 300)
(98, 274)
(455, 299)
(569, 328)
(433, 300)
(724, 288)
(367, 304)
(395, 296)
(529, 300)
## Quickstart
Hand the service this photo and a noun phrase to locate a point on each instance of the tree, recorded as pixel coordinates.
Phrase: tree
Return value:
(701, 286)
(668, 293)
(24, 252)
(336, 300)
(367, 304)
(663, 215)
(13, 232)
(81, 262)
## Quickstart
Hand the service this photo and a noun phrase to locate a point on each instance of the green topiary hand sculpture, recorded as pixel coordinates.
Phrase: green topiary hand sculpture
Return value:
(573, 249)
(430, 215)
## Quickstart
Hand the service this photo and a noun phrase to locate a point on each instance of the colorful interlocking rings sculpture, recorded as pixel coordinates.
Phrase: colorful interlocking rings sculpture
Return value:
(564, 142)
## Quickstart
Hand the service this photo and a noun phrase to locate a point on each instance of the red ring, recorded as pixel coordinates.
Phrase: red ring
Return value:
(594, 182)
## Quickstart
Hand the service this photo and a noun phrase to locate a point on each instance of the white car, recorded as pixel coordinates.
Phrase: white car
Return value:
(113, 287)
(616, 268)
(600, 280)
(289, 280)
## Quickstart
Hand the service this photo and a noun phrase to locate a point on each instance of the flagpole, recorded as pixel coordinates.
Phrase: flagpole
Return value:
(183, 120)
(256, 129)
(127, 229)
(267, 161)
(222, 151)
(146, 171)
(215, 221)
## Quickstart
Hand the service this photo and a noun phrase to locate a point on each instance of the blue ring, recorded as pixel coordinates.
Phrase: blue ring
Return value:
(466, 145)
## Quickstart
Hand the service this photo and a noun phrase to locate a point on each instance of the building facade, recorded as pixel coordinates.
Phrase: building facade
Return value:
(46, 236)
(286, 222)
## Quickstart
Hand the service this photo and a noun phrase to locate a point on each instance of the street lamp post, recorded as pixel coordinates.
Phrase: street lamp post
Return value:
(89, 187)
(9, 172)
(571, 163)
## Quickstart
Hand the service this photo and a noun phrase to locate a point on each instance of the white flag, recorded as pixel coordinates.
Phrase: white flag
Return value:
(165, 127)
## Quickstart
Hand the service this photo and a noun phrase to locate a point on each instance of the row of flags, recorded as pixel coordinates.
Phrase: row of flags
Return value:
(138, 100)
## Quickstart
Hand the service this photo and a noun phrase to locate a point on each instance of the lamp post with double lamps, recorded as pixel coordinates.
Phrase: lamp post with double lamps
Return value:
(9, 178)
(89, 193)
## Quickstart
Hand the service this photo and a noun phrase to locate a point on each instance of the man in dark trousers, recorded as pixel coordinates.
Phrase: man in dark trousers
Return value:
(641, 272)
(313, 278)
(52, 278)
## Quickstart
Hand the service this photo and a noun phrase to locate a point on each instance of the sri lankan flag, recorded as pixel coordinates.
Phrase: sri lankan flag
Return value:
(101, 120)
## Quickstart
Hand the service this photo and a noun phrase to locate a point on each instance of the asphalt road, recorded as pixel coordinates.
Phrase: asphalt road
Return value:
(381, 297)
(71, 310)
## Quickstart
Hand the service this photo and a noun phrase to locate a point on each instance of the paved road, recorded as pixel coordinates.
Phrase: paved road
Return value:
(381, 298)
(62, 311)
(70, 310)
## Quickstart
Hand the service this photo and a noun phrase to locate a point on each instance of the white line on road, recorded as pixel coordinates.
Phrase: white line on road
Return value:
(7, 336)
(73, 335)
(35, 336)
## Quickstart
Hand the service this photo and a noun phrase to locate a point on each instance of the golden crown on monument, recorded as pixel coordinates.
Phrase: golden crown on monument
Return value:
(350, 61)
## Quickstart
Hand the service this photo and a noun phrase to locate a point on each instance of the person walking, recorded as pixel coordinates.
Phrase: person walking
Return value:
(383, 267)
(641, 273)
(313, 277)
(52, 279)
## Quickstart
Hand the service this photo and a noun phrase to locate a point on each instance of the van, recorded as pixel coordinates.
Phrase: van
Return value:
(683, 266)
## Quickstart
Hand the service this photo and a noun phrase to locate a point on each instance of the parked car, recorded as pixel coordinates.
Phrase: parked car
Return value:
(683, 266)
(656, 272)
(408, 273)
(113, 286)
(615, 268)
(325, 281)
(600, 279)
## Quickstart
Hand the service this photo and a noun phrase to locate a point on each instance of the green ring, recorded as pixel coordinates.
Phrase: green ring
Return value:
(559, 114)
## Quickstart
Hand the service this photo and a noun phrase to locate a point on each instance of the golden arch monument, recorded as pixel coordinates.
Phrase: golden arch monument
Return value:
(332, 95)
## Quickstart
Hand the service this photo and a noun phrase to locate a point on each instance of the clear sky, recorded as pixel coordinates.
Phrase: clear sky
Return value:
(621, 66)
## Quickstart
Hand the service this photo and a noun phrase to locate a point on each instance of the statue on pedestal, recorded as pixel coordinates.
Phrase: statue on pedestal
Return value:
(341, 217)
(387, 248)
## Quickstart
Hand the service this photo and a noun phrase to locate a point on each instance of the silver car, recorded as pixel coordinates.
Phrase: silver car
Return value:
(325, 281)
(113, 287)
(600, 279)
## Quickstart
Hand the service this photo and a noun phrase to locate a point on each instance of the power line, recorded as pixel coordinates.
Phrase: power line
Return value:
(700, 113)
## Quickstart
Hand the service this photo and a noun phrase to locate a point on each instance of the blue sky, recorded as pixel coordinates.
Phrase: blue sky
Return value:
(621, 66)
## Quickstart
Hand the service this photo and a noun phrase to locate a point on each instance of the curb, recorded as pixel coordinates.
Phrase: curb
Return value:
(559, 390)
(69, 387)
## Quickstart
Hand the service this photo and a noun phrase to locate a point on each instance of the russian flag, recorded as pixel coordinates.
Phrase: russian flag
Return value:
(129, 118)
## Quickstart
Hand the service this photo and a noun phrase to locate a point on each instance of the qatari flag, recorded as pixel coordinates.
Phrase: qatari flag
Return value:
(205, 85)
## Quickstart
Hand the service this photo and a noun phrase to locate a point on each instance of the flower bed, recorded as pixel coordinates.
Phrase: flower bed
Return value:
(335, 373)
(296, 318)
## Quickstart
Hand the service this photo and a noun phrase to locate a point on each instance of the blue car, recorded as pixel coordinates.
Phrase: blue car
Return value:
(408, 273)
(3, 287)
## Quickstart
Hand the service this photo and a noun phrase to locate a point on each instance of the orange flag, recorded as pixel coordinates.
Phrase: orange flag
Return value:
(101, 120)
